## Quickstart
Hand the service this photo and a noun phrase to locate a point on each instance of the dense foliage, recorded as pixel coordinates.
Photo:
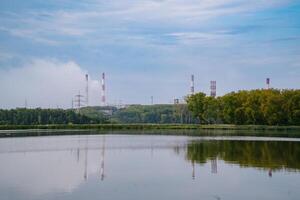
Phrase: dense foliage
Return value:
(23, 116)
(163, 114)
(255, 107)
(269, 107)
(98, 112)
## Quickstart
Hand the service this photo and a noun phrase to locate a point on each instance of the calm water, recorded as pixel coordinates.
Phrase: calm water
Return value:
(149, 167)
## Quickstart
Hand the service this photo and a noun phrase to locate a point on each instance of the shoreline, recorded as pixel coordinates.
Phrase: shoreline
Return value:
(150, 129)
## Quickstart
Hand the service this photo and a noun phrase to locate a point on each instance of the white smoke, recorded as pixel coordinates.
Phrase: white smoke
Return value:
(45, 83)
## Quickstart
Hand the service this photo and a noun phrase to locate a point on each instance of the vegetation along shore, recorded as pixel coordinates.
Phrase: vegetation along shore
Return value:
(255, 110)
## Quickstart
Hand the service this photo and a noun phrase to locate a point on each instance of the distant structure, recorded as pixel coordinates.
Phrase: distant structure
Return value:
(176, 101)
(78, 101)
(213, 88)
(268, 83)
(103, 99)
(152, 101)
(87, 90)
(192, 84)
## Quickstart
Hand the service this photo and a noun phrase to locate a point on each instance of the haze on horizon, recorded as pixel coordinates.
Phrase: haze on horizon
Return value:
(145, 47)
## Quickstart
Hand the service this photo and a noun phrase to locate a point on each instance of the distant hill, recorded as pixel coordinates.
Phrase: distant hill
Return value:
(162, 113)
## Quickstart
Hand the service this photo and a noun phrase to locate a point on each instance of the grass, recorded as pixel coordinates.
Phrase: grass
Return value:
(153, 129)
(148, 127)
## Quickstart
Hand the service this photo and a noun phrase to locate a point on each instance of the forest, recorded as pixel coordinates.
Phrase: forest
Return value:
(155, 114)
(254, 107)
(23, 116)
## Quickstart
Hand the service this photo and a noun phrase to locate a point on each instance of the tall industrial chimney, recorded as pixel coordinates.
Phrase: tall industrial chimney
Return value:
(213, 88)
(103, 99)
(87, 90)
(268, 83)
(192, 84)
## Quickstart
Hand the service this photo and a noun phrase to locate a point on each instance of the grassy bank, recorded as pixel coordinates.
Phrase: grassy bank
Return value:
(154, 129)
(147, 127)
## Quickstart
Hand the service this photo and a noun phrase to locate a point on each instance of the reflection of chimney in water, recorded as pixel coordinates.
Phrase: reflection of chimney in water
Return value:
(270, 173)
(193, 172)
(78, 153)
(214, 166)
(86, 160)
(151, 148)
(102, 159)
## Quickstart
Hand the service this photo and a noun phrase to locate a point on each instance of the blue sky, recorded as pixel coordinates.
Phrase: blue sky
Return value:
(146, 47)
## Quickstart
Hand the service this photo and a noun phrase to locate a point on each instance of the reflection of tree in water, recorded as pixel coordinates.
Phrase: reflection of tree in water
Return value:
(268, 155)
(102, 159)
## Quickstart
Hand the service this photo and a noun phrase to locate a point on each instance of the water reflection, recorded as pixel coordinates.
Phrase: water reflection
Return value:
(144, 167)
(267, 155)
(102, 159)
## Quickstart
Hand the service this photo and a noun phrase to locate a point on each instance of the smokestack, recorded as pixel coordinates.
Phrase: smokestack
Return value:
(192, 85)
(268, 83)
(103, 100)
(87, 90)
(213, 88)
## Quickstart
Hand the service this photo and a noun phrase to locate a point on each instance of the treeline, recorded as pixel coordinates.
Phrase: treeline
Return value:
(98, 112)
(255, 107)
(158, 114)
(23, 116)
(154, 114)
(262, 107)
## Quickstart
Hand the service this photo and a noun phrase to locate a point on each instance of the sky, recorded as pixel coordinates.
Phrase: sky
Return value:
(145, 47)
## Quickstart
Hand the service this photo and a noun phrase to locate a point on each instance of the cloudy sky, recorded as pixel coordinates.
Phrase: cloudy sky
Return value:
(145, 47)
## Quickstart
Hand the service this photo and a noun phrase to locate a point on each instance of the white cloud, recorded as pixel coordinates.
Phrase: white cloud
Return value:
(147, 47)
(44, 83)
(31, 34)
(194, 38)
(101, 18)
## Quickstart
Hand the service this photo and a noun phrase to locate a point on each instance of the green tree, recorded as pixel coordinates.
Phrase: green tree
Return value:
(196, 104)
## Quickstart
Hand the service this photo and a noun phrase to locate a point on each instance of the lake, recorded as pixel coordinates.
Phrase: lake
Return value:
(142, 167)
